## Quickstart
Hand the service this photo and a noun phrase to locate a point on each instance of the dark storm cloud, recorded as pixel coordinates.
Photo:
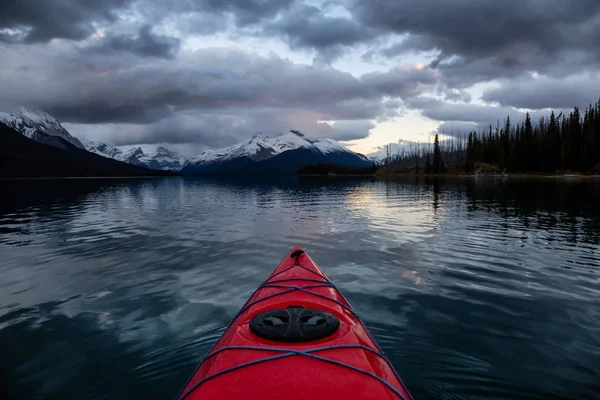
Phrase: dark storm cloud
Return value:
(443, 111)
(33, 21)
(512, 34)
(458, 119)
(39, 21)
(210, 16)
(111, 71)
(351, 130)
(212, 130)
(544, 92)
(232, 91)
(305, 26)
(454, 94)
(477, 40)
(144, 44)
(219, 129)
(246, 12)
(402, 81)
(101, 90)
(463, 73)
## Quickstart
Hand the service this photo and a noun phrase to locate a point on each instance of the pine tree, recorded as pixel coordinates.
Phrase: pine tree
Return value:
(575, 142)
(417, 169)
(470, 153)
(564, 144)
(596, 135)
(505, 151)
(552, 148)
(528, 143)
(437, 157)
(552, 144)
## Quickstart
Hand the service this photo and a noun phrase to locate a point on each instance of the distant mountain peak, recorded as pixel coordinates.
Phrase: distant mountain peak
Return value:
(279, 155)
(136, 152)
(31, 158)
(34, 115)
(163, 158)
(298, 133)
(261, 147)
(39, 126)
(103, 149)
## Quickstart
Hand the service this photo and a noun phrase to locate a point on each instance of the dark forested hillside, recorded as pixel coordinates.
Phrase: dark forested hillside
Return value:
(555, 144)
(21, 157)
(286, 163)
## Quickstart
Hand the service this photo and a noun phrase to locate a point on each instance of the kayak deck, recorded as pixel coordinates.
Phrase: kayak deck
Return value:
(347, 363)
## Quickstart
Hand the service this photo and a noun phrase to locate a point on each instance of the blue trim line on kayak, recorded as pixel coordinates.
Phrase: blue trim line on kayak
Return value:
(303, 289)
(289, 352)
(297, 279)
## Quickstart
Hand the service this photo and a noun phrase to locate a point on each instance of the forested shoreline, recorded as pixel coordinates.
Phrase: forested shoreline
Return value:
(557, 144)
(332, 169)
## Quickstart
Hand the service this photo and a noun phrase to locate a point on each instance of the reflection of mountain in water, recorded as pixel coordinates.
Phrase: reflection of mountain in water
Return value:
(124, 284)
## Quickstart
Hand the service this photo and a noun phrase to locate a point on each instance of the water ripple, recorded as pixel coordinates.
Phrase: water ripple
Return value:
(475, 289)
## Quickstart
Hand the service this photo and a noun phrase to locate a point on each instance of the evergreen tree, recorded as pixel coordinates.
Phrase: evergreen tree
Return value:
(515, 148)
(417, 164)
(554, 144)
(469, 164)
(437, 157)
(575, 142)
(505, 150)
(527, 144)
(551, 147)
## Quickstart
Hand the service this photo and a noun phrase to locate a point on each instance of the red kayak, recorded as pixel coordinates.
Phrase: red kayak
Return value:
(296, 338)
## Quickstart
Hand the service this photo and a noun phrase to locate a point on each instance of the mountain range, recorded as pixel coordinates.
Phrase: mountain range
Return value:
(260, 155)
(161, 159)
(39, 126)
(280, 155)
(24, 157)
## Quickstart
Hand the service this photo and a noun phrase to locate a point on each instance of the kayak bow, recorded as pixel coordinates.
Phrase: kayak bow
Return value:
(297, 337)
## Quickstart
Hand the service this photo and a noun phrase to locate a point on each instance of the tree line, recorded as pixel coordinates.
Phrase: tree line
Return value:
(555, 144)
(332, 169)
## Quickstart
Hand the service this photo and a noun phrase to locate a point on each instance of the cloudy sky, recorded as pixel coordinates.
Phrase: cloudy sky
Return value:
(197, 74)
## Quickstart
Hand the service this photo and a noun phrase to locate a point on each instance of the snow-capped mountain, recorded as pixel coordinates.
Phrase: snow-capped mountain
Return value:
(39, 126)
(22, 157)
(135, 156)
(167, 160)
(162, 159)
(261, 147)
(284, 154)
(103, 149)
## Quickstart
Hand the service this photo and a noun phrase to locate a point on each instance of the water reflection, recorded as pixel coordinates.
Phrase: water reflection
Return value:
(475, 288)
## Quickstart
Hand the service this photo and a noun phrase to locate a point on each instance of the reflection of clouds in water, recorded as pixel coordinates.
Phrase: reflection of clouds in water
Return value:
(198, 211)
(155, 268)
(397, 213)
(120, 297)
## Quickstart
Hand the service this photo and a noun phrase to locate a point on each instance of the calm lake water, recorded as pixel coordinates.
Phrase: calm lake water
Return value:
(475, 288)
